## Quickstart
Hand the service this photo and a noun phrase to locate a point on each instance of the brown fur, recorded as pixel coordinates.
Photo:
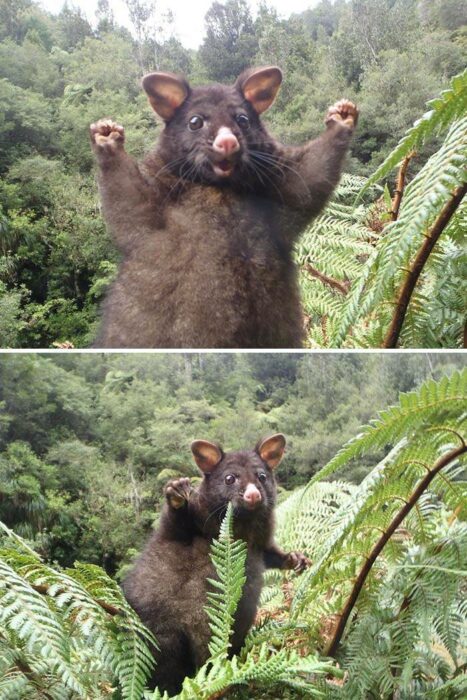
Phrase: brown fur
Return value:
(207, 262)
(169, 582)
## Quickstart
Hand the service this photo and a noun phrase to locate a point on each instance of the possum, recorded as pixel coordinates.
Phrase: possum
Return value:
(167, 586)
(206, 223)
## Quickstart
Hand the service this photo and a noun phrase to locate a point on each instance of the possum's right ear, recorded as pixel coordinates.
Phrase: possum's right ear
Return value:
(207, 455)
(166, 93)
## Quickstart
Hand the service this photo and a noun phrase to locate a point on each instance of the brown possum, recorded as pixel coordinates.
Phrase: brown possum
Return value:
(207, 221)
(168, 584)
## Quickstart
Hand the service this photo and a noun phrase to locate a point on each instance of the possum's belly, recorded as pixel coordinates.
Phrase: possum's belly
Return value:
(192, 586)
(208, 282)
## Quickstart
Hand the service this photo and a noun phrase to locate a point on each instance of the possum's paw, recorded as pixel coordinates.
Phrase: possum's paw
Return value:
(297, 561)
(178, 491)
(107, 135)
(343, 112)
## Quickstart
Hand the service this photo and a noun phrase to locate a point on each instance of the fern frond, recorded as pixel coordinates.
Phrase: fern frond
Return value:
(432, 403)
(424, 197)
(261, 670)
(28, 615)
(445, 109)
(228, 556)
(57, 620)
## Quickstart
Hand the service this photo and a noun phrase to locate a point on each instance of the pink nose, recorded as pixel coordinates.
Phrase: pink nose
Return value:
(225, 142)
(251, 495)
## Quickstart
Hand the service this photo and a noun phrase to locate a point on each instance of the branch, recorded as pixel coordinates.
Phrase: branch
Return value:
(400, 182)
(342, 287)
(418, 264)
(111, 609)
(378, 547)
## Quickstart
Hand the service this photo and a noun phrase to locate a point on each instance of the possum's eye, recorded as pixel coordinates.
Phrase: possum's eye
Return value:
(262, 477)
(243, 122)
(230, 479)
(196, 122)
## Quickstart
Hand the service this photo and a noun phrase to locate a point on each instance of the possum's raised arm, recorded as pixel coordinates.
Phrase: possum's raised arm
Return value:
(127, 201)
(312, 171)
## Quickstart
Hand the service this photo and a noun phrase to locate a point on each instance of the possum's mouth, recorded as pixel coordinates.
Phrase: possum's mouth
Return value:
(223, 168)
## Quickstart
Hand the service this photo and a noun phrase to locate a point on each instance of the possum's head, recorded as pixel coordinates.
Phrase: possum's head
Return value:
(244, 478)
(214, 134)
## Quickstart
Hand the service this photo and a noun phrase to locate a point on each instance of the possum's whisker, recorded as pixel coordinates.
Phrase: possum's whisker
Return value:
(261, 169)
(170, 164)
(180, 160)
(182, 177)
(222, 506)
(265, 164)
(279, 163)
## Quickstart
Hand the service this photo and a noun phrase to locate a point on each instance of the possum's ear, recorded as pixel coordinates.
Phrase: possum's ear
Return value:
(260, 87)
(166, 93)
(271, 450)
(207, 455)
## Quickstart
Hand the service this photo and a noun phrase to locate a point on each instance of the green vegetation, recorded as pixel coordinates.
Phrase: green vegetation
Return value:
(378, 285)
(380, 612)
(88, 441)
(58, 74)
(66, 632)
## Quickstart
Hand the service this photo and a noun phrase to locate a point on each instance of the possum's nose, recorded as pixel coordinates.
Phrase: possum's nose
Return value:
(251, 496)
(225, 142)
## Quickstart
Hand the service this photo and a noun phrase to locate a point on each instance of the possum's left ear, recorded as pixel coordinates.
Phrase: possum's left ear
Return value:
(271, 450)
(260, 87)
(166, 92)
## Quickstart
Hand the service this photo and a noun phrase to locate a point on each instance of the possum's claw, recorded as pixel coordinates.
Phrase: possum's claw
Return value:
(297, 561)
(106, 134)
(178, 492)
(343, 112)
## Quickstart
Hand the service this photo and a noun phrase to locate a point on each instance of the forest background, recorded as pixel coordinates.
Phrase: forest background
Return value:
(87, 441)
(58, 74)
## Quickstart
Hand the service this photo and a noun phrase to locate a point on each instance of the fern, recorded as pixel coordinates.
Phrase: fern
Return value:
(368, 283)
(60, 621)
(424, 198)
(405, 631)
(450, 106)
(229, 557)
(394, 633)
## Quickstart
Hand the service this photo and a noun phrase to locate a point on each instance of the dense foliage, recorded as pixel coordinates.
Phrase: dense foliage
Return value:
(59, 73)
(87, 442)
(401, 281)
(380, 613)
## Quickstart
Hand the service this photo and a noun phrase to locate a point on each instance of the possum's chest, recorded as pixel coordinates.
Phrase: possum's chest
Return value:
(218, 241)
(213, 273)
(224, 232)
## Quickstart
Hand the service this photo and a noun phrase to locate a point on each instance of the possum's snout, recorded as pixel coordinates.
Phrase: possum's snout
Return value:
(252, 496)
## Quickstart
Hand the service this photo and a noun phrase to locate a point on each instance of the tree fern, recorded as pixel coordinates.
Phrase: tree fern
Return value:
(386, 643)
(59, 622)
(331, 255)
(423, 200)
(368, 283)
